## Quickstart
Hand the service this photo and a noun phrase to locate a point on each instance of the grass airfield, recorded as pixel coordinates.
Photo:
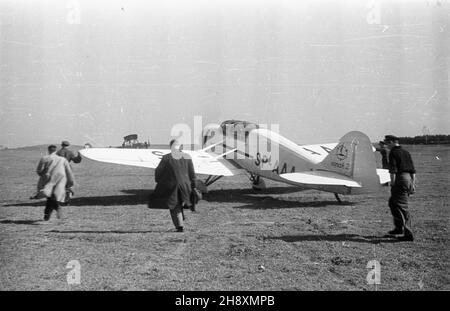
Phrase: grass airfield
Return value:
(282, 238)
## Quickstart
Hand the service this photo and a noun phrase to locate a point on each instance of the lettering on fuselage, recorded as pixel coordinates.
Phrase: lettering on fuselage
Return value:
(263, 162)
(312, 151)
(264, 159)
(344, 166)
(284, 169)
(327, 150)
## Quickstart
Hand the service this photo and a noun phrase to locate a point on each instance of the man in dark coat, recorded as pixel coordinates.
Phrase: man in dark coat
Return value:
(175, 178)
(403, 178)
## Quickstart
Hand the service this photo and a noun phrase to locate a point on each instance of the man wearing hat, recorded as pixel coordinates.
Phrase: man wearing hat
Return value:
(68, 154)
(55, 176)
(384, 157)
(403, 178)
(70, 157)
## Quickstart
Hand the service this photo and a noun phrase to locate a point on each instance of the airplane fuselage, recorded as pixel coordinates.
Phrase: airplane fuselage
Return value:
(284, 157)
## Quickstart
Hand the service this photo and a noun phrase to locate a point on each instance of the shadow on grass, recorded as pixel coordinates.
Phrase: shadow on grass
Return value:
(108, 231)
(337, 238)
(252, 199)
(130, 197)
(21, 222)
(262, 199)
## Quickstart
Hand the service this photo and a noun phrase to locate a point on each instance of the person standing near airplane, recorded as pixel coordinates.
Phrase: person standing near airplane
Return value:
(68, 154)
(70, 157)
(403, 178)
(175, 178)
(55, 176)
(384, 155)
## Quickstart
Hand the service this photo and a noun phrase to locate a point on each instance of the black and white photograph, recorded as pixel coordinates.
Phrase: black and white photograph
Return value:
(222, 146)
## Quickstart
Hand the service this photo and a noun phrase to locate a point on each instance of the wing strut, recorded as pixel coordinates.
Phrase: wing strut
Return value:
(213, 145)
(211, 179)
(338, 198)
(225, 153)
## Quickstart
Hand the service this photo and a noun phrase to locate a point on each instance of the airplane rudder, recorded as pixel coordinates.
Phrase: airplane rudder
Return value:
(353, 156)
(364, 167)
(341, 158)
(353, 149)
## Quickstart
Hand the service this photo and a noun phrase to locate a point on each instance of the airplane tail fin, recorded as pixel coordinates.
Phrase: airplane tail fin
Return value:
(354, 157)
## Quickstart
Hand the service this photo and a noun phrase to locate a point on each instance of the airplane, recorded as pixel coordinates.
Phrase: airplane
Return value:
(347, 167)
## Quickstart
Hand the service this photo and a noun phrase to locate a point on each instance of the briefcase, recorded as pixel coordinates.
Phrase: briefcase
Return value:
(196, 195)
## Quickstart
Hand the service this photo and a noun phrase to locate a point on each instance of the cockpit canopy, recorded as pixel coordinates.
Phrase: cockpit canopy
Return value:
(237, 128)
(234, 129)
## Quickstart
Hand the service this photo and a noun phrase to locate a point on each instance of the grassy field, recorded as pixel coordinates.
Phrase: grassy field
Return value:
(278, 239)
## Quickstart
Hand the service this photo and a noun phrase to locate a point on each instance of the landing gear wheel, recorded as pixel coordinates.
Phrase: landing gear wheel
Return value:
(257, 182)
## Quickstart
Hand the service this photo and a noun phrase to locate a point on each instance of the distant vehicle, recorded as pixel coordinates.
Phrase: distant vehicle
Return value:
(346, 167)
(131, 142)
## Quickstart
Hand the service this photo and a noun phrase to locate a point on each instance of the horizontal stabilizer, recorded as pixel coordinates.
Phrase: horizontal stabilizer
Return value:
(321, 178)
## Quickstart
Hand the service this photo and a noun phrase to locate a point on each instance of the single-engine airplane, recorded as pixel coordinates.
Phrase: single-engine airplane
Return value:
(347, 167)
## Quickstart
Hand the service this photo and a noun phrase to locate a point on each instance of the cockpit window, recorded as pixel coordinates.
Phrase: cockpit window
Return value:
(237, 128)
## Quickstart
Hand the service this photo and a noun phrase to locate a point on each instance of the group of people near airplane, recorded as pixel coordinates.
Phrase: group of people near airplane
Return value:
(176, 183)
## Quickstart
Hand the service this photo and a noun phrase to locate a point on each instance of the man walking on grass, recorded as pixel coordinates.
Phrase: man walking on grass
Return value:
(55, 176)
(403, 179)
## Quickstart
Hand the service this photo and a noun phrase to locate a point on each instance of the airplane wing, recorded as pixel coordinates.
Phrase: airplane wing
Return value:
(204, 163)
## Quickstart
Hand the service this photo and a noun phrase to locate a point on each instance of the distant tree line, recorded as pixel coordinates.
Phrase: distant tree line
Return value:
(425, 140)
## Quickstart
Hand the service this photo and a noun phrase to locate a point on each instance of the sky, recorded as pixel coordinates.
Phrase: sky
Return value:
(94, 71)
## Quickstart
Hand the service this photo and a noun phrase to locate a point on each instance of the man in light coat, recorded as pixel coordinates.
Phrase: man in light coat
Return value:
(55, 177)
